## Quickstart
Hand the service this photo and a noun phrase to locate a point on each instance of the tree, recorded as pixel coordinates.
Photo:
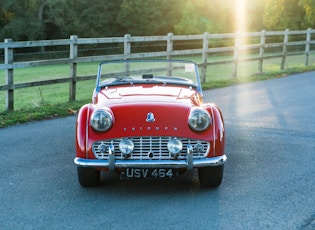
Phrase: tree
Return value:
(201, 16)
(53, 19)
(20, 21)
(309, 7)
(282, 14)
(96, 18)
(143, 17)
(255, 11)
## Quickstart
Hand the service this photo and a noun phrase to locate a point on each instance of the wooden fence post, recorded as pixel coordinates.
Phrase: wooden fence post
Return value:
(236, 53)
(205, 47)
(284, 48)
(127, 46)
(169, 47)
(262, 50)
(307, 46)
(127, 52)
(169, 50)
(73, 66)
(8, 59)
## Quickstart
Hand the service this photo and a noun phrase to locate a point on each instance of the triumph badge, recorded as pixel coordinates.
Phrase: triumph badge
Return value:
(150, 117)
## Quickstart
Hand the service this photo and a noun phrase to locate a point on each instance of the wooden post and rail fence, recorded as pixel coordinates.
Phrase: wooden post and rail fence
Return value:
(261, 41)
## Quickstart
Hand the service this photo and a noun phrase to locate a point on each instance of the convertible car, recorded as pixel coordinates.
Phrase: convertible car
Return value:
(147, 119)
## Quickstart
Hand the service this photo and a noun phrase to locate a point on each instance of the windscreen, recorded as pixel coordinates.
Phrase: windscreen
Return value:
(181, 71)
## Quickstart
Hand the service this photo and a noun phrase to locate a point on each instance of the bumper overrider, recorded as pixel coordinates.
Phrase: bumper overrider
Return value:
(189, 163)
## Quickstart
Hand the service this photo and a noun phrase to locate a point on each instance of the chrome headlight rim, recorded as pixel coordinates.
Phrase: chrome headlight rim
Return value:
(101, 120)
(199, 119)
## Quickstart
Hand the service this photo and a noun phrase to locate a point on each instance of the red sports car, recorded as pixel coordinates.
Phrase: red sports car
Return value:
(147, 119)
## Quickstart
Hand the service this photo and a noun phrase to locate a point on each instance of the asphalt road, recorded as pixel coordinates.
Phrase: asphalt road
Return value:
(269, 180)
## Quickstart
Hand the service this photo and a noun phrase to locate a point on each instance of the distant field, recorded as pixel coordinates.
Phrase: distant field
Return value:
(59, 93)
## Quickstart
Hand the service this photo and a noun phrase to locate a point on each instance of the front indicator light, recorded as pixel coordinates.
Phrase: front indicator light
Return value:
(102, 148)
(199, 148)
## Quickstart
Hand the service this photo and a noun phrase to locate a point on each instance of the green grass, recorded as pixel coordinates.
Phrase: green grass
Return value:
(46, 102)
(47, 111)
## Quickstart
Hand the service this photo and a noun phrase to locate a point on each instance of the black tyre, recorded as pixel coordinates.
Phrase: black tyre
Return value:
(88, 177)
(211, 176)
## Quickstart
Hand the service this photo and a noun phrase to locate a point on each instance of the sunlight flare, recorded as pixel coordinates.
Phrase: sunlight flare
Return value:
(240, 15)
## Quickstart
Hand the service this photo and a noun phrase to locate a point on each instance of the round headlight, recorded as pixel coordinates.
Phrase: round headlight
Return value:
(101, 120)
(174, 146)
(199, 119)
(126, 146)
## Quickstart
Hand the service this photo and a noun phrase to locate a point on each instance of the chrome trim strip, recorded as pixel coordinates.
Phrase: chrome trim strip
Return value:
(87, 131)
(206, 162)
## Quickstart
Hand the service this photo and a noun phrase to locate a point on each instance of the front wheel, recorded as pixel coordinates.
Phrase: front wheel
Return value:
(211, 176)
(88, 177)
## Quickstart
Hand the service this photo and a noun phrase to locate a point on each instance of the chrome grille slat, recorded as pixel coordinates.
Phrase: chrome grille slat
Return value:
(145, 145)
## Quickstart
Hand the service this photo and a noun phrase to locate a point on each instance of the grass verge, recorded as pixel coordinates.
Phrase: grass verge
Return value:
(46, 111)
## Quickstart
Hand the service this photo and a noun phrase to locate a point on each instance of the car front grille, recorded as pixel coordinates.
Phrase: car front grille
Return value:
(152, 148)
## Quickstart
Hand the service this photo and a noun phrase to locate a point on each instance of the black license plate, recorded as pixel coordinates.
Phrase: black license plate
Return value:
(147, 173)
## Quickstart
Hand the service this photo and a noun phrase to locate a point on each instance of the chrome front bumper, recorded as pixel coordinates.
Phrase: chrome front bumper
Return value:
(188, 164)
